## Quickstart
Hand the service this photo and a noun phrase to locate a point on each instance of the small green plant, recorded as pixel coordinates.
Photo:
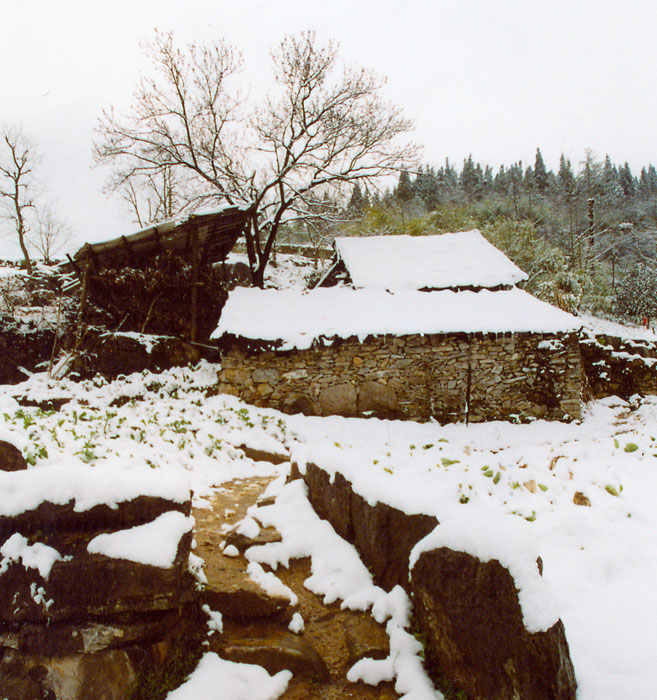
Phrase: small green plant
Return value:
(631, 447)
(87, 453)
(38, 452)
(448, 462)
(25, 417)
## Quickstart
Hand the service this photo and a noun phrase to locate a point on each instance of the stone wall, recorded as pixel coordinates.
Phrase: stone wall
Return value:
(616, 366)
(452, 377)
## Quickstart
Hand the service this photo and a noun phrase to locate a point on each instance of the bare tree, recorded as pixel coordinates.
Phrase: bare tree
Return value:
(152, 197)
(322, 127)
(16, 161)
(51, 235)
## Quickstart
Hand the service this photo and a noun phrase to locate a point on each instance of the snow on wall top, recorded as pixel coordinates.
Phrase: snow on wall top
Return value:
(25, 490)
(463, 259)
(298, 318)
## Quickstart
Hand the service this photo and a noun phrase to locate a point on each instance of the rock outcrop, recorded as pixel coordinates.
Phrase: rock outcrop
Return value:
(467, 610)
(11, 458)
(468, 613)
(78, 624)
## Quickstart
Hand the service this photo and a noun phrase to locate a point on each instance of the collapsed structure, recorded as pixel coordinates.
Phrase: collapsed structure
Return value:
(422, 328)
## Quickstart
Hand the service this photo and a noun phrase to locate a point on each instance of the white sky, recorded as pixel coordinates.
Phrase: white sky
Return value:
(495, 78)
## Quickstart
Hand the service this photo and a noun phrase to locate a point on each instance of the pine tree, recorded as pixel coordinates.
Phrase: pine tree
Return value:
(652, 179)
(469, 180)
(356, 204)
(427, 186)
(501, 181)
(451, 176)
(590, 177)
(488, 179)
(610, 186)
(626, 180)
(565, 177)
(644, 183)
(515, 180)
(540, 173)
(404, 192)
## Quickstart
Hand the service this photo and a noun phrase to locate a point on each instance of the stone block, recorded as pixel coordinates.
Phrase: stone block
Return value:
(467, 610)
(281, 651)
(237, 376)
(59, 519)
(377, 398)
(295, 374)
(87, 636)
(268, 376)
(93, 585)
(339, 399)
(470, 615)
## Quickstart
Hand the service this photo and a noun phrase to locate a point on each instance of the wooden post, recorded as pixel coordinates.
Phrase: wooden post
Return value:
(195, 295)
(591, 202)
(83, 305)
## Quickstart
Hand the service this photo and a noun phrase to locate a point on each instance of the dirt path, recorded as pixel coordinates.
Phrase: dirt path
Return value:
(256, 625)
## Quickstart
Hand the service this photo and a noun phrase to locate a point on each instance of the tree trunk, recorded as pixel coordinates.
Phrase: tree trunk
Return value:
(20, 227)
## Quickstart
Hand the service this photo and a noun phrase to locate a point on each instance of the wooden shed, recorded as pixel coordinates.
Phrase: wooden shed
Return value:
(201, 240)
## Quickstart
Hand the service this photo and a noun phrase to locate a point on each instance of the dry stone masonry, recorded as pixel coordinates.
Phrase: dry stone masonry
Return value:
(618, 366)
(449, 377)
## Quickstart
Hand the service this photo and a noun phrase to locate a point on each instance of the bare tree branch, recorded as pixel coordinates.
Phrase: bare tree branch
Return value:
(321, 127)
(16, 161)
(51, 235)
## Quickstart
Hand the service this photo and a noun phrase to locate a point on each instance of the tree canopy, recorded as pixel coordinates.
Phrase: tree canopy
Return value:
(322, 127)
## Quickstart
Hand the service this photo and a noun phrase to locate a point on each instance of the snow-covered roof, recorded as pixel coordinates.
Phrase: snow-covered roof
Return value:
(298, 318)
(463, 259)
(215, 231)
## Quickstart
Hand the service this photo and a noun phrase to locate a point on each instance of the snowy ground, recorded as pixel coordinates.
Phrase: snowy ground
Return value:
(286, 271)
(600, 560)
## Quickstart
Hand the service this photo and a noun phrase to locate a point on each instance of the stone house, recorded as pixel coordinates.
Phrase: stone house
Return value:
(473, 347)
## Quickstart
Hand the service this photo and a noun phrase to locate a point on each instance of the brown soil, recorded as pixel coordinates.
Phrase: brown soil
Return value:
(340, 637)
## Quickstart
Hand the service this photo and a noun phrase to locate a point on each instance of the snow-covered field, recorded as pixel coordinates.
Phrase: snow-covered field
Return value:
(600, 560)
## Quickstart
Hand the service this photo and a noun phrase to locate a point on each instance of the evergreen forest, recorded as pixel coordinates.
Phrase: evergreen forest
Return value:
(586, 236)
